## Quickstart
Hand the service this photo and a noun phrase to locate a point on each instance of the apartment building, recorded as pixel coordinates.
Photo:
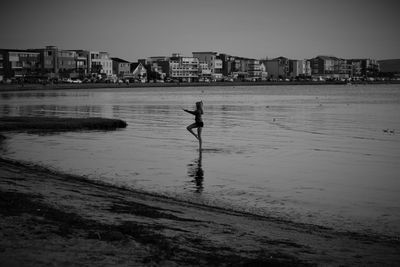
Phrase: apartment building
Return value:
(82, 62)
(204, 71)
(299, 68)
(254, 68)
(322, 65)
(19, 63)
(214, 63)
(277, 68)
(66, 63)
(356, 69)
(183, 68)
(227, 64)
(49, 60)
(52, 62)
(62, 63)
(329, 67)
(370, 67)
(156, 59)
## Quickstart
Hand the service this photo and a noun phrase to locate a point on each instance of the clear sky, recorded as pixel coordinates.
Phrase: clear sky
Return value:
(133, 29)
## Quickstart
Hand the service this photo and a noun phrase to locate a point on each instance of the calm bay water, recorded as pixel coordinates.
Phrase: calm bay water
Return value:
(316, 154)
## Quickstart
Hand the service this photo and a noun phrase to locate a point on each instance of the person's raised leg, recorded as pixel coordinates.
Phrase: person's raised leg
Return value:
(190, 129)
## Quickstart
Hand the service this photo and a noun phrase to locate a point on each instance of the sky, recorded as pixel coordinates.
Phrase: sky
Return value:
(131, 29)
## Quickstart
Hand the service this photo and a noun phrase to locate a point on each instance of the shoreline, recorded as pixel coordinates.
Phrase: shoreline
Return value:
(29, 87)
(66, 211)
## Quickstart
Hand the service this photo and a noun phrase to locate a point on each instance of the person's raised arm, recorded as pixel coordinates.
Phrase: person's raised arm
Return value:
(191, 112)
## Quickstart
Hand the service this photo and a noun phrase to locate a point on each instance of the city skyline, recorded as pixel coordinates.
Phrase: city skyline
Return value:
(255, 29)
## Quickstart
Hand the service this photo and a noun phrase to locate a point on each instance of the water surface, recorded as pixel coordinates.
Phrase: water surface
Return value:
(326, 155)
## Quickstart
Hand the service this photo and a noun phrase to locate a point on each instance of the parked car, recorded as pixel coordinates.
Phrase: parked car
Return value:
(228, 79)
(76, 81)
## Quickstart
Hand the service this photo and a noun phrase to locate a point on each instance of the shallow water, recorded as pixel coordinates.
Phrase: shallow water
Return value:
(317, 154)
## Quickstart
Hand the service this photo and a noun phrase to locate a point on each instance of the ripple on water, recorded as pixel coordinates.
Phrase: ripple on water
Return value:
(307, 154)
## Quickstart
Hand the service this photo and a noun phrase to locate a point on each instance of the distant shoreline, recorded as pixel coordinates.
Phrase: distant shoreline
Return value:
(27, 87)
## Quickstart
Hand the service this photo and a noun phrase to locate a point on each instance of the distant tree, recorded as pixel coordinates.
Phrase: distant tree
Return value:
(153, 75)
(97, 68)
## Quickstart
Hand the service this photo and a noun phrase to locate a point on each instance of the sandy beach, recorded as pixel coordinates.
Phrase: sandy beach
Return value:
(56, 219)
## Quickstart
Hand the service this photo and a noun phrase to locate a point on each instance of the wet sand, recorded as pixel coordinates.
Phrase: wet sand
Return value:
(54, 218)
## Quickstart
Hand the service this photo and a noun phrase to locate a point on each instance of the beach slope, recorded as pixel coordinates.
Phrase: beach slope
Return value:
(54, 218)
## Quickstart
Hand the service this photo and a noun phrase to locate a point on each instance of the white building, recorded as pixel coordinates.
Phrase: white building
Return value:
(204, 70)
(263, 69)
(185, 69)
(100, 62)
(254, 68)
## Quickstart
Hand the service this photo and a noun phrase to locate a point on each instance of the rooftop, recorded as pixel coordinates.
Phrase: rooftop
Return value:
(120, 60)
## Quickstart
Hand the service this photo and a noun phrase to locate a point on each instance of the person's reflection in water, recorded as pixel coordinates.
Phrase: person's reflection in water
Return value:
(196, 172)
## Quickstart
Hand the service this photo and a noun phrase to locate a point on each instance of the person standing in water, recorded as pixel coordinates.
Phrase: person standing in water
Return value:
(198, 122)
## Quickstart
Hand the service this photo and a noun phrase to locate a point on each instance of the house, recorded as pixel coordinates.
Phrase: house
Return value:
(100, 63)
(121, 67)
(138, 72)
(157, 67)
(82, 62)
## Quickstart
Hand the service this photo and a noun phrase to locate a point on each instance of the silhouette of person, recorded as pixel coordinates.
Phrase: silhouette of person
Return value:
(198, 122)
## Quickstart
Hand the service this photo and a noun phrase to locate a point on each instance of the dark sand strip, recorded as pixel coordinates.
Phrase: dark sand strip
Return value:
(54, 218)
(46, 124)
